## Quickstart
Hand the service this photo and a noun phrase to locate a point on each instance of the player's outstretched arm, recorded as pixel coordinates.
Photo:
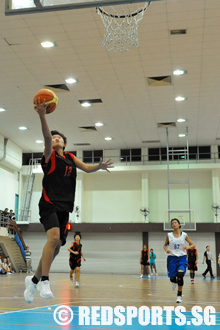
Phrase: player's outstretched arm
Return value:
(41, 110)
(93, 168)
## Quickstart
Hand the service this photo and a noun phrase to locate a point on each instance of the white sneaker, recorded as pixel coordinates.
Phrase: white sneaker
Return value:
(141, 276)
(44, 289)
(77, 284)
(156, 274)
(30, 289)
(152, 274)
(149, 276)
(179, 299)
(174, 286)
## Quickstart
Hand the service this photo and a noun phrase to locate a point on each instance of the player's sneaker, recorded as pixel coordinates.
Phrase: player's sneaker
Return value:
(141, 276)
(156, 274)
(77, 284)
(174, 286)
(71, 278)
(152, 274)
(179, 299)
(44, 289)
(30, 289)
(148, 276)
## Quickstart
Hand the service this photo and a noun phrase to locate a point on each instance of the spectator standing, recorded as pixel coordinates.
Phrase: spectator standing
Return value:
(152, 262)
(209, 259)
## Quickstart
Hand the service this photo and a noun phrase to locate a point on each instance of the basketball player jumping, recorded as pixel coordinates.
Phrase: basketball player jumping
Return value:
(56, 202)
(176, 260)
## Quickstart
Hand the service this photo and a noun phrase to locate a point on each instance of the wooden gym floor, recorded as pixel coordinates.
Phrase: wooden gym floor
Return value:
(100, 290)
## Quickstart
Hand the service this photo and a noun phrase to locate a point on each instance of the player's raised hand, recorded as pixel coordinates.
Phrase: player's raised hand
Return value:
(40, 108)
(106, 165)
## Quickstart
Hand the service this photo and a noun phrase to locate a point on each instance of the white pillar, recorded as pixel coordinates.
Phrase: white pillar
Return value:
(215, 189)
(78, 197)
(145, 193)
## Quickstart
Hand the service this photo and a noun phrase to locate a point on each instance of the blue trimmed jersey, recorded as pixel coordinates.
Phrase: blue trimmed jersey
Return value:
(176, 244)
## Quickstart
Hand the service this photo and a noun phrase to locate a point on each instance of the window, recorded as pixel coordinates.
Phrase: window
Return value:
(128, 155)
(97, 155)
(92, 156)
(153, 154)
(135, 155)
(192, 152)
(125, 155)
(205, 152)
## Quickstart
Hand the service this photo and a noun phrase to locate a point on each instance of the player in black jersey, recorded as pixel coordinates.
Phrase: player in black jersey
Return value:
(144, 261)
(75, 250)
(192, 263)
(57, 200)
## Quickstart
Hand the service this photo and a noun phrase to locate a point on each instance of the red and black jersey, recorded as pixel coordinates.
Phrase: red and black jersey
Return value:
(144, 255)
(76, 247)
(191, 255)
(59, 180)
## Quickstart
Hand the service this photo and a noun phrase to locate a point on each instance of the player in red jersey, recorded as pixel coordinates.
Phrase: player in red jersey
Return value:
(192, 263)
(56, 202)
(76, 253)
(144, 261)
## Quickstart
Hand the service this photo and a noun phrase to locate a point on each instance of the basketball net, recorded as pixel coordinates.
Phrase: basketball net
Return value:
(121, 26)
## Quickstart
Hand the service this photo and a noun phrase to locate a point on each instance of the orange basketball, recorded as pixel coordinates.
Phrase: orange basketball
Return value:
(47, 96)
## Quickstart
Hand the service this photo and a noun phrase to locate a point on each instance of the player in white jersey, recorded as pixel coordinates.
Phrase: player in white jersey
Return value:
(177, 261)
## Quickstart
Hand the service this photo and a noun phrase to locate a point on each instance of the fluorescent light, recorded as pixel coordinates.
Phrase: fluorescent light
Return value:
(47, 44)
(108, 138)
(182, 135)
(2, 110)
(180, 98)
(23, 128)
(179, 72)
(71, 81)
(86, 104)
(39, 141)
(99, 124)
(181, 120)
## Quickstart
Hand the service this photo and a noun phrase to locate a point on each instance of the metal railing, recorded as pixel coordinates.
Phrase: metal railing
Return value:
(160, 159)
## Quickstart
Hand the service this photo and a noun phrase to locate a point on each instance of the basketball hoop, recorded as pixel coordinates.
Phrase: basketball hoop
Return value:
(121, 26)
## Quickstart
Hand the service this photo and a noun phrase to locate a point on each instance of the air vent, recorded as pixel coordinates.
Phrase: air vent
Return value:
(90, 101)
(81, 144)
(166, 125)
(87, 129)
(62, 87)
(177, 32)
(151, 141)
(159, 81)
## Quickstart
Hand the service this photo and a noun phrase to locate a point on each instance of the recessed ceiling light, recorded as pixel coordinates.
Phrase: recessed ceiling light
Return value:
(71, 81)
(23, 128)
(48, 44)
(181, 120)
(99, 124)
(2, 110)
(182, 135)
(179, 72)
(86, 104)
(180, 98)
(108, 138)
(39, 141)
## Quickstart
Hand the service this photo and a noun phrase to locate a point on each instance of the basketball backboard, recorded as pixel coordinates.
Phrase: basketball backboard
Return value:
(186, 218)
(18, 7)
